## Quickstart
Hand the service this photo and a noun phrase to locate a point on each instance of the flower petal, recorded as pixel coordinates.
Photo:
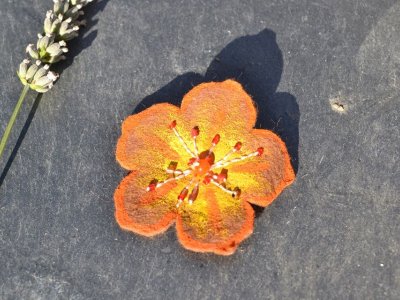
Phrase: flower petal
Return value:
(262, 179)
(146, 140)
(215, 222)
(146, 213)
(219, 108)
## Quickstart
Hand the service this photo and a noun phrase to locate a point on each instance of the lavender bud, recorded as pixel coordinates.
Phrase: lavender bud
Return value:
(82, 2)
(52, 23)
(60, 7)
(32, 52)
(38, 77)
(47, 50)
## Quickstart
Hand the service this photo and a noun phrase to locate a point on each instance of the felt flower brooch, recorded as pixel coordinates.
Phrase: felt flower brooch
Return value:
(199, 166)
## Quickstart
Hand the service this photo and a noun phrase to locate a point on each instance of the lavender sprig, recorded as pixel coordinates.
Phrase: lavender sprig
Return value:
(61, 25)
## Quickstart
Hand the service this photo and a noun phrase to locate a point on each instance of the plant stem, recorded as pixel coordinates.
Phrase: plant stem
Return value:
(14, 115)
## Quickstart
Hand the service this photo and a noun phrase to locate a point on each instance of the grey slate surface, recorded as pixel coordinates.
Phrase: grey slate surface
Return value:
(333, 234)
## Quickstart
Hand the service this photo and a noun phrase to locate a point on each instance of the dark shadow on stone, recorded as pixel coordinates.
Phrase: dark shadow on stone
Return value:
(257, 63)
(258, 210)
(173, 92)
(86, 36)
(20, 138)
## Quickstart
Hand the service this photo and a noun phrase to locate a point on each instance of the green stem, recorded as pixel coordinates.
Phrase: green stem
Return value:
(14, 115)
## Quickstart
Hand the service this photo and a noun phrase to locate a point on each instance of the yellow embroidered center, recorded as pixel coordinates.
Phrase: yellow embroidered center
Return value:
(201, 166)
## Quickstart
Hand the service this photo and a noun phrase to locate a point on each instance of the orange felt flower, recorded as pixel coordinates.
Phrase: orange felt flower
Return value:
(201, 166)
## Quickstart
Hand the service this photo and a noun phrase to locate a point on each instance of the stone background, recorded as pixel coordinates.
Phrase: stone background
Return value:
(333, 234)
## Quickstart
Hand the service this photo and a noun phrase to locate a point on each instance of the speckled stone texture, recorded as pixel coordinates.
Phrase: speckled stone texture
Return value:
(333, 234)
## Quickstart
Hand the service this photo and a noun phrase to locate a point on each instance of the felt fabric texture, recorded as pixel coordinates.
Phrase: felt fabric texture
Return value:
(215, 222)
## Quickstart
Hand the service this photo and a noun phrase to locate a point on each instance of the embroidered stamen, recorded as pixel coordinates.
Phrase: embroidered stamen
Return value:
(233, 193)
(214, 142)
(193, 195)
(184, 193)
(222, 163)
(176, 172)
(154, 184)
(236, 148)
(172, 126)
(195, 132)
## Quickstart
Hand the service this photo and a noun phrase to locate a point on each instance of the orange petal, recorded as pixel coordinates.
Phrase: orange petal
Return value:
(146, 213)
(262, 179)
(147, 141)
(215, 222)
(219, 108)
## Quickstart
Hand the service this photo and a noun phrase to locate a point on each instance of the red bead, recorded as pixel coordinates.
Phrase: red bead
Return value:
(195, 131)
(192, 161)
(172, 125)
(238, 146)
(260, 151)
(223, 176)
(183, 194)
(152, 185)
(207, 179)
(237, 192)
(216, 139)
(194, 193)
(172, 166)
